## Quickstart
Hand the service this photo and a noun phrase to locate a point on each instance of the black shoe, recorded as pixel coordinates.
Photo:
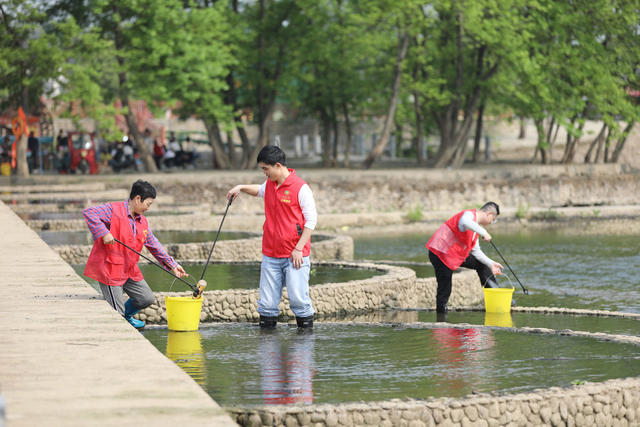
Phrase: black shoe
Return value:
(305, 322)
(441, 317)
(442, 309)
(268, 322)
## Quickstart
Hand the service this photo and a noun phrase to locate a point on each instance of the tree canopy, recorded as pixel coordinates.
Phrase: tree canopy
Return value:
(427, 66)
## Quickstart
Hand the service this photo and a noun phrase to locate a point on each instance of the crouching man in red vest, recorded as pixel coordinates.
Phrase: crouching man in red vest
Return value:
(290, 217)
(113, 265)
(455, 244)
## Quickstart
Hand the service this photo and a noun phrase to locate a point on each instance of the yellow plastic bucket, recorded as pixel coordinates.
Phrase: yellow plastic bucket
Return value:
(183, 313)
(5, 169)
(497, 300)
(498, 319)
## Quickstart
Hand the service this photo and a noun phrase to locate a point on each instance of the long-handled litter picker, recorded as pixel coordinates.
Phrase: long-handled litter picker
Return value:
(526, 292)
(196, 289)
(202, 283)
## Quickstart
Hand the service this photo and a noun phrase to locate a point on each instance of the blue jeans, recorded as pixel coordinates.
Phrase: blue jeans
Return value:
(276, 272)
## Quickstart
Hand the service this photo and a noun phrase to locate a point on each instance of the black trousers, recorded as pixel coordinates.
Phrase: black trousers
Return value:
(444, 273)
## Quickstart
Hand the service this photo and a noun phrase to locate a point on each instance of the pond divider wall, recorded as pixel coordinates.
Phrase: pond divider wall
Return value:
(331, 247)
(396, 288)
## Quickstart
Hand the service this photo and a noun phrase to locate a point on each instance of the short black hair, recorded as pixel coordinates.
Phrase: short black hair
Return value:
(491, 207)
(143, 189)
(270, 155)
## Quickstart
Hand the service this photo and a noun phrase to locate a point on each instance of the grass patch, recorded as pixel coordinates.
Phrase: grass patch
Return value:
(547, 215)
(415, 214)
(523, 211)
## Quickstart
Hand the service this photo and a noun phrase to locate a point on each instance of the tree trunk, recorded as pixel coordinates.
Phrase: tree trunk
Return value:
(347, 124)
(594, 143)
(325, 136)
(22, 167)
(478, 136)
(336, 135)
(572, 141)
(601, 145)
(220, 158)
(419, 142)
(143, 150)
(231, 150)
(620, 144)
(542, 141)
(523, 129)
(403, 42)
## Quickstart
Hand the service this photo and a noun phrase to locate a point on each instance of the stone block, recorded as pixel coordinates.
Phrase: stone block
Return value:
(291, 421)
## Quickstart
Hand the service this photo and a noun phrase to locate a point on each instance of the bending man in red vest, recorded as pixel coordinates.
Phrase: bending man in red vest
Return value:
(114, 266)
(455, 244)
(290, 217)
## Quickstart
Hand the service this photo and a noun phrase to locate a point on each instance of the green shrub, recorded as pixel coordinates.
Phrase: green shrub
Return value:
(523, 211)
(415, 214)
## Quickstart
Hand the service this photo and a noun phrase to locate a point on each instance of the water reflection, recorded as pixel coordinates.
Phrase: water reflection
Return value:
(185, 350)
(286, 368)
(463, 355)
(498, 319)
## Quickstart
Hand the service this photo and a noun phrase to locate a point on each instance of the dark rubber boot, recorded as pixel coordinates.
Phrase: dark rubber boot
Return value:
(442, 309)
(305, 322)
(268, 322)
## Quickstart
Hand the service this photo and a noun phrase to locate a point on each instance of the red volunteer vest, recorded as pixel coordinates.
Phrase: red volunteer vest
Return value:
(450, 244)
(284, 220)
(114, 264)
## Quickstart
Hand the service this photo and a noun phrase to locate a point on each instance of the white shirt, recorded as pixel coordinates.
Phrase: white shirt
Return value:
(467, 223)
(306, 202)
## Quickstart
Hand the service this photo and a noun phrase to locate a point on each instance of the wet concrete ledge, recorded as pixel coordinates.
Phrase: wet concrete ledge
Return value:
(68, 359)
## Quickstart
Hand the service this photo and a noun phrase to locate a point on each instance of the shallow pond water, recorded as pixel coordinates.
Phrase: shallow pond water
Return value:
(235, 276)
(609, 325)
(580, 271)
(238, 364)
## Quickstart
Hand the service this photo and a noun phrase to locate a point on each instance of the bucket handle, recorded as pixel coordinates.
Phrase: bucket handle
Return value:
(508, 278)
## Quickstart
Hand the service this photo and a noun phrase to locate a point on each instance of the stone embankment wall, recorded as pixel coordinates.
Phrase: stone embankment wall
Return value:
(610, 403)
(396, 288)
(328, 247)
(381, 191)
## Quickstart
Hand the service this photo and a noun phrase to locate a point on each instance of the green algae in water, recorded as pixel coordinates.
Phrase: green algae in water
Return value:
(238, 364)
(235, 276)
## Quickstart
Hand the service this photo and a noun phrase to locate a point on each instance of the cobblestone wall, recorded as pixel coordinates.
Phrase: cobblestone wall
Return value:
(328, 247)
(396, 288)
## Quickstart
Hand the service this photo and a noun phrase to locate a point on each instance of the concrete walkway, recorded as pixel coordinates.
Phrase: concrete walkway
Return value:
(68, 359)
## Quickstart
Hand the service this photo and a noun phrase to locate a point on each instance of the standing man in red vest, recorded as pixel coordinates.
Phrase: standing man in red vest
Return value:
(113, 265)
(290, 218)
(455, 244)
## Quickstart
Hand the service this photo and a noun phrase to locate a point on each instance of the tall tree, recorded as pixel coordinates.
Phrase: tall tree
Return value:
(30, 58)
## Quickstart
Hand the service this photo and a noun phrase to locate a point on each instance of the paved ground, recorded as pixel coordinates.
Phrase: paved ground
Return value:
(67, 358)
